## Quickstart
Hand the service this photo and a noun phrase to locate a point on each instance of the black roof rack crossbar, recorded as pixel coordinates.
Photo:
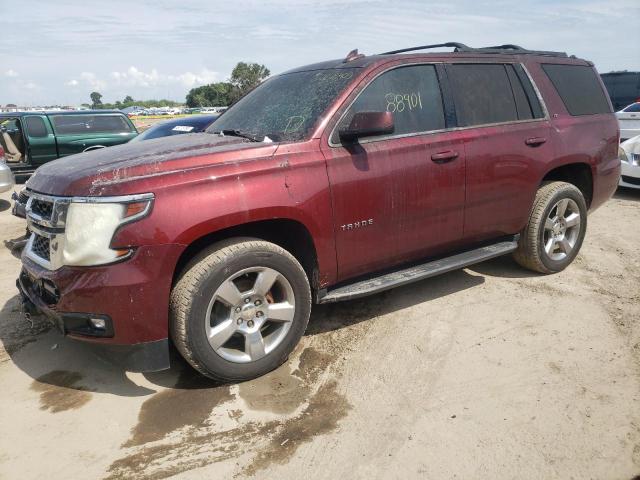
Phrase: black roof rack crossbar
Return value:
(458, 47)
(462, 48)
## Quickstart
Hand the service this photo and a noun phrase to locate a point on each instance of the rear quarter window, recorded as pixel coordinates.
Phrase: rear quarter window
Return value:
(83, 124)
(579, 88)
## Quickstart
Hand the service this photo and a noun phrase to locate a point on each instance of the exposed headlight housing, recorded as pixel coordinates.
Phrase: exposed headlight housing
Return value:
(78, 231)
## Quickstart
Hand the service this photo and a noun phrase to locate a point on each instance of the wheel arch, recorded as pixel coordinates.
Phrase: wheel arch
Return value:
(578, 174)
(290, 234)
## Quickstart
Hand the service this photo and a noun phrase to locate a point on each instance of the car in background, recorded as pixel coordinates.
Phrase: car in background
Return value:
(6, 175)
(629, 120)
(623, 87)
(629, 154)
(177, 126)
(31, 139)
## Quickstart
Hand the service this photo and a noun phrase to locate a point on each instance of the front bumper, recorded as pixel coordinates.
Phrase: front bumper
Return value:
(132, 297)
(630, 175)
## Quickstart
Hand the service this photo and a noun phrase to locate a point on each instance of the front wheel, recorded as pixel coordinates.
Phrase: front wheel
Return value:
(556, 228)
(239, 309)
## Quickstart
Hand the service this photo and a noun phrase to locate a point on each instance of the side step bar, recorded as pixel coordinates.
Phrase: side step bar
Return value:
(418, 272)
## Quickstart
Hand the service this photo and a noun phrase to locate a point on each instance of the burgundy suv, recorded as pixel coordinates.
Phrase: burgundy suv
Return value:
(329, 182)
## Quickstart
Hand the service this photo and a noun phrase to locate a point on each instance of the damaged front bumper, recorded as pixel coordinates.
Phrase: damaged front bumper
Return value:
(122, 309)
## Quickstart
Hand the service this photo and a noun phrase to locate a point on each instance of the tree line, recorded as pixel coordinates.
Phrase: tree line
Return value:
(244, 77)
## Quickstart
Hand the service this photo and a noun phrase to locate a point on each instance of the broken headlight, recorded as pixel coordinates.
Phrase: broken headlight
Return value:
(91, 223)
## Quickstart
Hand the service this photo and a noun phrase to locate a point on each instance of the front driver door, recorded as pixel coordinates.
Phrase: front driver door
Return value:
(399, 197)
(42, 142)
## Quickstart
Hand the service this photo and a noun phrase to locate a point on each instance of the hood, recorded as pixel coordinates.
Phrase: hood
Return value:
(89, 173)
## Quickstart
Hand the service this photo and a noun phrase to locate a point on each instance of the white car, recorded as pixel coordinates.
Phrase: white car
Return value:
(6, 175)
(629, 120)
(630, 161)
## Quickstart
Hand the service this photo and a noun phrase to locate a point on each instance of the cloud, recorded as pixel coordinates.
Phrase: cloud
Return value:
(72, 83)
(31, 86)
(90, 79)
(133, 77)
(11, 73)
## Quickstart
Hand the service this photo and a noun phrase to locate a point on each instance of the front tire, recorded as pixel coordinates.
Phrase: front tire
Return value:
(239, 308)
(556, 228)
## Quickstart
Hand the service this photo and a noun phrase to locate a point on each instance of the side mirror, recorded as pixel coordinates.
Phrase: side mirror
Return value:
(368, 124)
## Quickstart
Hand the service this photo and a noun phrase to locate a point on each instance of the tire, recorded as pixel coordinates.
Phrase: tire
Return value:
(204, 305)
(546, 228)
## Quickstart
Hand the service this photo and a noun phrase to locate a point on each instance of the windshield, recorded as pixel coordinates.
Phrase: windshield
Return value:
(167, 129)
(286, 107)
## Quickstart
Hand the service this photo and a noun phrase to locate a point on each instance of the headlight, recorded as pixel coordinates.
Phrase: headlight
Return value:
(88, 233)
(622, 155)
(90, 227)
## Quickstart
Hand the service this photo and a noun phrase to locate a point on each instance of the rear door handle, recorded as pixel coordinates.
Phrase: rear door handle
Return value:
(535, 141)
(443, 157)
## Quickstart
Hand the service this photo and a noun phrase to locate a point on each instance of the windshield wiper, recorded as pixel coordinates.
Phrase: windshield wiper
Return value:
(240, 133)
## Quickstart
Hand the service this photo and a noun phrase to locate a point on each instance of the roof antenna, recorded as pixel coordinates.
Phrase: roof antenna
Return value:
(353, 55)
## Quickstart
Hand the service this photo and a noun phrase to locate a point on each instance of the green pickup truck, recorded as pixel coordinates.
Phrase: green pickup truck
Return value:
(30, 139)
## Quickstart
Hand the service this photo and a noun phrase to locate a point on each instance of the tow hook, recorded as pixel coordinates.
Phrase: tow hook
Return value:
(28, 309)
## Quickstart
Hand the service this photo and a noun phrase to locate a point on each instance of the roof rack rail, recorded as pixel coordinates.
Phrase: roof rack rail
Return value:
(462, 48)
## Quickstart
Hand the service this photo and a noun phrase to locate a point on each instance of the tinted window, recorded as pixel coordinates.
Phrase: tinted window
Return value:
(623, 87)
(633, 108)
(81, 124)
(579, 88)
(286, 107)
(36, 127)
(411, 93)
(482, 94)
(532, 97)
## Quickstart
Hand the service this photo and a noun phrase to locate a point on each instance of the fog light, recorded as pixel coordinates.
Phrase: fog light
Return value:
(98, 323)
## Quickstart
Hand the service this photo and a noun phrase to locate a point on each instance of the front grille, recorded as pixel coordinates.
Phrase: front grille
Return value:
(42, 208)
(23, 197)
(40, 246)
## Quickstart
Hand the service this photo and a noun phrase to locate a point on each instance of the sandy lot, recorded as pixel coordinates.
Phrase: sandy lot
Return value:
(488, 372)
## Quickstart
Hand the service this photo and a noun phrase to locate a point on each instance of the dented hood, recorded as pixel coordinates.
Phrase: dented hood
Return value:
(91, 173)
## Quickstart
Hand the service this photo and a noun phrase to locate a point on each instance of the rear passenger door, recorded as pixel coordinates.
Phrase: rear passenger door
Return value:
(401, 196)
(507, 137)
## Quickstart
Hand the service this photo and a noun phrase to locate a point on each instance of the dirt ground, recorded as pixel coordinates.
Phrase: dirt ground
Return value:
(488, 372)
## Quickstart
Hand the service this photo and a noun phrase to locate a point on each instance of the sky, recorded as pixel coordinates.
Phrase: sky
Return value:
(58, 52)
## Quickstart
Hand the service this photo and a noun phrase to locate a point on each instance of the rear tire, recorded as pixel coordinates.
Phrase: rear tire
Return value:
(556, 228)
(239, 309)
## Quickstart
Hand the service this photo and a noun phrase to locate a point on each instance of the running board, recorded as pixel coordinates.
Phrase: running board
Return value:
(418, 272)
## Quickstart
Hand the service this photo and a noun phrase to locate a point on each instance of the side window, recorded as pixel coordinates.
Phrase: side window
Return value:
(579, 88)
(482, 94)
(82, 124)
(36, 127)
(527, 103)
(411, 93)
(633, 108)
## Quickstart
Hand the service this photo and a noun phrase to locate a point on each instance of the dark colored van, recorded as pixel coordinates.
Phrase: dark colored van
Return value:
(329, 182)
(623, 88)
(31, 139)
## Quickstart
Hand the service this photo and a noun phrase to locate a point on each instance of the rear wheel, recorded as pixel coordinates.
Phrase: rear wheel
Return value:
(556, 228)
(239, 309)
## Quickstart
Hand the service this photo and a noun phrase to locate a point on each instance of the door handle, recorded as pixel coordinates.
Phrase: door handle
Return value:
(535, 141)
(443, 157)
